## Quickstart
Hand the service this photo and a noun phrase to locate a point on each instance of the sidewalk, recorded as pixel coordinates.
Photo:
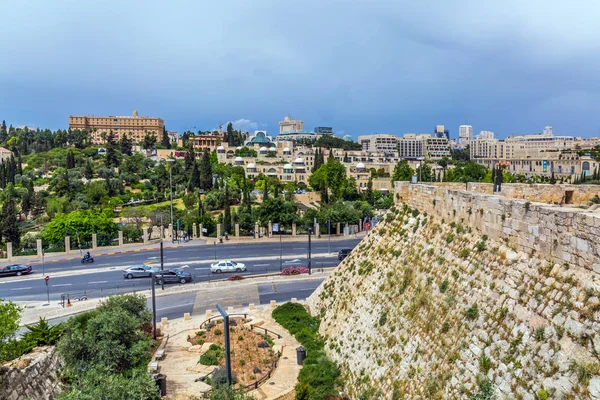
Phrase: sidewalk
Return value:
(154, 245)
(180, 361)
(32, 311)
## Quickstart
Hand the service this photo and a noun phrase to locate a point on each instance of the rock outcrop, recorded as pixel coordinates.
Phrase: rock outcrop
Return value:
(32, 376)
(432, 308)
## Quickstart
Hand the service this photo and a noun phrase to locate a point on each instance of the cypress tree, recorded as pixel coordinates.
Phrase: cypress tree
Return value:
(205, 172)
(194, 182)
(166, 141)
(126, 146)
(88, 171)
(8, 223)
(227, 211)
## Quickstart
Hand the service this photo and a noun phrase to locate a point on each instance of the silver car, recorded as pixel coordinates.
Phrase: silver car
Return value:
(139, 271)
(227, 266)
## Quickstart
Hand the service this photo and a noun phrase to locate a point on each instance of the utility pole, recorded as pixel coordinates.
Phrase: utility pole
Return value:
(280, 251)
(154, 304)
(227, 347)
(162, 268)
(309, 266)
(171, 195)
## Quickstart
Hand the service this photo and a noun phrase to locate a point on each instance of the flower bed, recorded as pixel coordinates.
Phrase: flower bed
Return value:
(235, 278)
(295, 271)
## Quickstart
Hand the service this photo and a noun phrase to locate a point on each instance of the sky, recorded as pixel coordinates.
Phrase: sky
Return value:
(359, 66)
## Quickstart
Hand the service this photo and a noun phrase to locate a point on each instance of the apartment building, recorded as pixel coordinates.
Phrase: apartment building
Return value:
(424, 146)
(537, 154)
(134, 126)
(379, 143)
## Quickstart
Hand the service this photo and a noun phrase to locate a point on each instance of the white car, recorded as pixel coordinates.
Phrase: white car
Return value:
(227, 266)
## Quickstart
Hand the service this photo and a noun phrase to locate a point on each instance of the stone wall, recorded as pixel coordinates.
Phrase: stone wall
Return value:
(429, 307)
(33, 376)
(558, 234)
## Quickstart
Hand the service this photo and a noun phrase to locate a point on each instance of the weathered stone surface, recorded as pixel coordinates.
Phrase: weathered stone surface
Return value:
(32, 376)
(391, 321)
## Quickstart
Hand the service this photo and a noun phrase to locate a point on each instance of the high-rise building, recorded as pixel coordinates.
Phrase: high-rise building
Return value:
(425, 146)
(465, 134)
(134, 126)
(289, 125)
(441, 132)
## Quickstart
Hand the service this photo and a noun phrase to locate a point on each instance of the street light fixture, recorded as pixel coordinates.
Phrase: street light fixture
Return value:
(171, 160)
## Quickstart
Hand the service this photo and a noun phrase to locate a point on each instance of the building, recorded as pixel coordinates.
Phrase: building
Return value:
(289, 125)
(465, 134)
(297, 135)
(134, 126)
(379, 143)
(173, 136)
(324, 130)
(5, 154)
(423, 146)
(537, 154)
(347, 138)
(259, 138)
(485, 135)
(204, 142)
(441, 132)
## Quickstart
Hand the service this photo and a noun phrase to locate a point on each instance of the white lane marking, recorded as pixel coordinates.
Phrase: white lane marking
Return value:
(152, 258)
(261, 265)
(299, 248)
(21, 288)
(292, 261)
(177, 306)
(93, 283)
(62, 284)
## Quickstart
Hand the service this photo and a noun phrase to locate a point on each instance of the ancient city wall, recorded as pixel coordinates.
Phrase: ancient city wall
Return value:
(557, 234)
(32, 376)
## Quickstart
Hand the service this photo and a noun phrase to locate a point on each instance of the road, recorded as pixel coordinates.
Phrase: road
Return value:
(73, 278)
(175, 305)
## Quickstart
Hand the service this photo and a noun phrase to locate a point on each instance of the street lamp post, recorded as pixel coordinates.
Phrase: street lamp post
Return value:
(309, 260)
(329, 232)
(171, 195)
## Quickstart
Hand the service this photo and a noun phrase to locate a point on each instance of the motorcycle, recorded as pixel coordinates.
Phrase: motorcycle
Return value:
(86, 259)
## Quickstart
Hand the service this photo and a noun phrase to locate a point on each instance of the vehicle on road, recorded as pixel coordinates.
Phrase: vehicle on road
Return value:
(227, 266)
(139, 271)
(16, 269)
(343, 253)
(87, 259)
(169, 276)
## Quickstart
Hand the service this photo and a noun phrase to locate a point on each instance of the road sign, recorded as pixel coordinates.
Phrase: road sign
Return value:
(275, 227)
(47, 278)
(204, 230)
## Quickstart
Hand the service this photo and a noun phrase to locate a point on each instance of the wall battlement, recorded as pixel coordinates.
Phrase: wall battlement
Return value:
(551, 232)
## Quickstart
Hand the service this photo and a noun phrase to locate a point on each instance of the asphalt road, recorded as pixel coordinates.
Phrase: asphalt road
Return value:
(107, 277)
(175, 305)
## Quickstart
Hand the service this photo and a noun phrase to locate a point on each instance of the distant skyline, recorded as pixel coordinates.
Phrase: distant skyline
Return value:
(376, 66)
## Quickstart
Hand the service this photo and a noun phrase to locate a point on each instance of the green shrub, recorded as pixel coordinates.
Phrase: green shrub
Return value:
(208, 358)
(445, 327)
(485, 364)
(218, 332)
(464, 253)
(444, 286)
(473, 312)
(480, 246)
(540, 334)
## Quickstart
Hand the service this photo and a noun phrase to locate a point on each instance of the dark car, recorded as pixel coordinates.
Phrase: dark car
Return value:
(16, 269)
(343, 253)
(168, 276)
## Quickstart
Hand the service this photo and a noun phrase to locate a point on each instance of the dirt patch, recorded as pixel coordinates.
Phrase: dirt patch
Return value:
(252, 353)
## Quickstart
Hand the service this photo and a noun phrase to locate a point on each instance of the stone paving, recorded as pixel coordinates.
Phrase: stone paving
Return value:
(180, 363)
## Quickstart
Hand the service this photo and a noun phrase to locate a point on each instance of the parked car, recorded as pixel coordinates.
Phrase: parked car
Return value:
(169, 276)
(16, 269)
(227, 266)
(139, 271)
(343, 253)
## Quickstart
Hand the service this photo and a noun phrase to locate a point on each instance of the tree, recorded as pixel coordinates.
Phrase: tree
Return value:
(424, 173)
(88, 170)
(10, 314)
(206, 179)
(227, 211)
(112, 159)
(8, 222)
(194, 182)
(126, 146)
(166, 140)
(229, 134)
(149, 141)
(369, 192)
(402, 171)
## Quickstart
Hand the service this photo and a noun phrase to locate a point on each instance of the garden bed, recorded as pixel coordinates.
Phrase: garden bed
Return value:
(252, 354)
